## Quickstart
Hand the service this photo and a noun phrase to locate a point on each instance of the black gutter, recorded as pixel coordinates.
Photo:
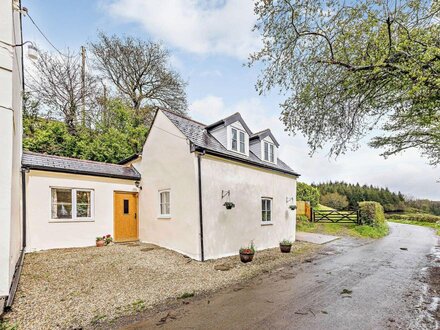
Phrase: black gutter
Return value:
(199, 165)
(19, 265)
(250, 162)
(128, 159)
(71, 171)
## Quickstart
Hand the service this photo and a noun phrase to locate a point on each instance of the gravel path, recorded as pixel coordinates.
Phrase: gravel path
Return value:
(73, 288)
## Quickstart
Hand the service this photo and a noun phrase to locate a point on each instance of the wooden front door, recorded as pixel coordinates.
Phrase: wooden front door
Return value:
(126, 216)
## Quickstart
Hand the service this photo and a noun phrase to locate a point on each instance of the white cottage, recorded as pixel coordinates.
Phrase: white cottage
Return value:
(172, 195)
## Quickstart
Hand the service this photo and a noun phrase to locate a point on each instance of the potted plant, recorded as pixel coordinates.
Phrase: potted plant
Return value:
(229, 205)
(247, 253)
(285, 246)
(100, 241)
(104, 240)
(108, 239)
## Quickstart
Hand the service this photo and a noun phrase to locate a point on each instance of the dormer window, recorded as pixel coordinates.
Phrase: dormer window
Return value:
(238, 140)
(269, 152)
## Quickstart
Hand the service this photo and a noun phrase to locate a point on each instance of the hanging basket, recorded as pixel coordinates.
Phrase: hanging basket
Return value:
(229, 205)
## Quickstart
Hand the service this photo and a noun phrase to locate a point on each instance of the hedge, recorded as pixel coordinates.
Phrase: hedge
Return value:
(371, 213)
(423, 217)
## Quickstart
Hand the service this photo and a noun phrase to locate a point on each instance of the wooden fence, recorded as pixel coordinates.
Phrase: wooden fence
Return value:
(303, 208)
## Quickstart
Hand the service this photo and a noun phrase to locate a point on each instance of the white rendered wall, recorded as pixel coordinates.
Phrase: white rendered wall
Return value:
(10, 144)
(225, 231)
(44, 234)
(168, 164)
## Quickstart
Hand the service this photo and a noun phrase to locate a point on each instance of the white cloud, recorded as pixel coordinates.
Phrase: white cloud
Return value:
(407, 172)
(201, 27)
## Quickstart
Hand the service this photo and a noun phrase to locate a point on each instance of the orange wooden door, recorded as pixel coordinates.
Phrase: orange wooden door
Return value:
(126, 217)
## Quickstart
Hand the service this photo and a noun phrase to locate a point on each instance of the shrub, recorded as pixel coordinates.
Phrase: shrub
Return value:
(334, 200)
(422, 217)
(307, 193)
(371, 213)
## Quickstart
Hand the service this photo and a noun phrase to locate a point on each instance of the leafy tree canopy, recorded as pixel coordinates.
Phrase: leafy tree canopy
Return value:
(348, 67)
(119, 137)
(307, 193)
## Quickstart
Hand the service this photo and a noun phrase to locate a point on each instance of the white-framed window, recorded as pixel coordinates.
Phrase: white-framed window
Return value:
(71, 204)
(164, 203)
(238, 140)
(266, 210)
(269, 152)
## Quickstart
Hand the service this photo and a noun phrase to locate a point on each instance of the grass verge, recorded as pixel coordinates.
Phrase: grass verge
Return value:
(343, 229)
(434, 225)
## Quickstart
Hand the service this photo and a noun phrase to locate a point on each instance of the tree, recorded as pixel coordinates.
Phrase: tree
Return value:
(140, 72)
(57, 85)
(307, 193)
(335, 201)
(350, 66)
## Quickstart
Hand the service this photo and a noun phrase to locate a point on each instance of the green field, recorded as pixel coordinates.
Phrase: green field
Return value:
(342, 229)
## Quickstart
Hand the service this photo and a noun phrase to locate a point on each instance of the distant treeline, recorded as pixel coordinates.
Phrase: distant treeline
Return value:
(392, 202)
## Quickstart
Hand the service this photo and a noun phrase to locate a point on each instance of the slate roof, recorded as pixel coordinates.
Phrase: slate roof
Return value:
(51, 163)
(200, 137)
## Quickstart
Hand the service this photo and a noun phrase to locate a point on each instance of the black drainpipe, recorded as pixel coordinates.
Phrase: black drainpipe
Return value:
(19, 266)
(199, 164)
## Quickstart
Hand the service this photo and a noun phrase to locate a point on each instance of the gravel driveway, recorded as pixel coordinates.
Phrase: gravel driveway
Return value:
(390, 283)
(73, 288)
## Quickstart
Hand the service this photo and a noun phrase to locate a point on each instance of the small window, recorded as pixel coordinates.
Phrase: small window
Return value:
(126, 206)
(269, 152)
(238, 139)
(61, 203)
(71, 204)
(266, 210)
(164, 200)
(234, 139)
(242, 145)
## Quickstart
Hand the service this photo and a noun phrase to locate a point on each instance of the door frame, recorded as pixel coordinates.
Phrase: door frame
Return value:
(136, 194)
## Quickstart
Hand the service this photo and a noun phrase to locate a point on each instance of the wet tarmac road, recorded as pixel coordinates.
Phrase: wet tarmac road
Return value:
(382, 282)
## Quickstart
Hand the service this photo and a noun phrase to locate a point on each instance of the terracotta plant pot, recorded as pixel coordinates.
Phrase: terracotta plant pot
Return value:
(246, 257)
(285, 248)
(100, 243)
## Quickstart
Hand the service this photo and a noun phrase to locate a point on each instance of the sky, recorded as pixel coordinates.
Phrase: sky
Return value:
(209, 42)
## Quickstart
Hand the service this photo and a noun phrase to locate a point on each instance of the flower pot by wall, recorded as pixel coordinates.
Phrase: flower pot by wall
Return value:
(246, 257)
(285, 248)
(100, 243)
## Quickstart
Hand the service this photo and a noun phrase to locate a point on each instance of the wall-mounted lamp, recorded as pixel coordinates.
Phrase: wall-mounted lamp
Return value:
(289, 200)
(138, 185)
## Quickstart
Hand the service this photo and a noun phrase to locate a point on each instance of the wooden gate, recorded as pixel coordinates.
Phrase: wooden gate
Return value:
(335, 216)
(303, 208)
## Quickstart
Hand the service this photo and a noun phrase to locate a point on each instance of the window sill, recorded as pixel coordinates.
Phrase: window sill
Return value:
(266, 223)
(70, 220)
(239, 153)
(164, 217)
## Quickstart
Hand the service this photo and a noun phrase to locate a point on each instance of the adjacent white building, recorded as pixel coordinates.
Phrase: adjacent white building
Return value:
(11, 87)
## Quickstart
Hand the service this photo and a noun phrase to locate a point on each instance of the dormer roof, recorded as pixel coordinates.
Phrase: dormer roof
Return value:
(228, 121)
(261, 135)
(201, 140)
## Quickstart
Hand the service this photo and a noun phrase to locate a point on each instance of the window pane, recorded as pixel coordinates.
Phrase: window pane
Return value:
(234, 139)
(61, 203)
(83, 197)
(271, 153)
(61, 195)
(63, 211)
(242, 142)
(268, 215)
(83, 204)
(268, 205)
(165, 202)
(266, 151)
(126, 206)
(263, 215)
